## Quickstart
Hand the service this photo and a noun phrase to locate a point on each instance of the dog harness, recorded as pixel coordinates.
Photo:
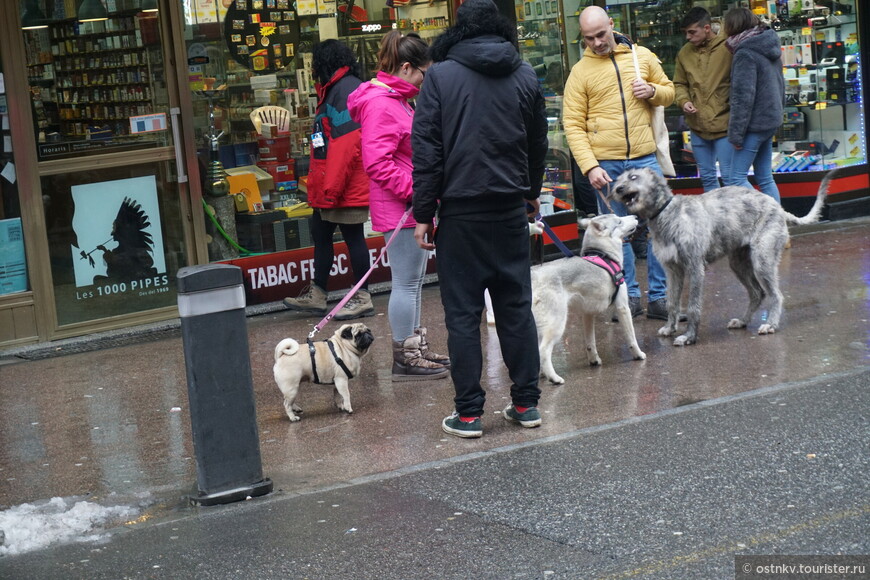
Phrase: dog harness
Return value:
(609, 265)
(311, 351)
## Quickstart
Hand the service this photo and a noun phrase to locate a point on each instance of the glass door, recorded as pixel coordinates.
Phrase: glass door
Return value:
(113, 183)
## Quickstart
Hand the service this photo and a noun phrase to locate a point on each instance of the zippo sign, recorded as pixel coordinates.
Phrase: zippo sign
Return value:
(273, 277)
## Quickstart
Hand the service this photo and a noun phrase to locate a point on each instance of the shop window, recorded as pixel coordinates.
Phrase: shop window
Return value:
(539, 34)
(13, 266)
(254, 58)
(96, 86)
(823, 125)
(115, 240)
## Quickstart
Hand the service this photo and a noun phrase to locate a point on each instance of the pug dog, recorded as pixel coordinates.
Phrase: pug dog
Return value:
(336, 360)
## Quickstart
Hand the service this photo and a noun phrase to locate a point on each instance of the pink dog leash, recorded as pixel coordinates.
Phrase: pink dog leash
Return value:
(319, 326)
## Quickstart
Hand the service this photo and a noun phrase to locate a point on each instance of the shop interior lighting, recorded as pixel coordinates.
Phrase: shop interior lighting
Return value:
(91, 10)
(33, 17)
(149, 6)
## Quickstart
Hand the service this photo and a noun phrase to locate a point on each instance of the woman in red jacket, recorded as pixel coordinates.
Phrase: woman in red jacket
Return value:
(338, 187)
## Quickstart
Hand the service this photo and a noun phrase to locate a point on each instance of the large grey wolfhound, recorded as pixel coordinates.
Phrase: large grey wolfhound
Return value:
(691, 231)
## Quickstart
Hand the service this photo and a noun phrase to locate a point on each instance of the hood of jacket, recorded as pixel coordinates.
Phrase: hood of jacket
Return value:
(714, 42)
(384, 85)
(765, 44)
(323, 90)
(488, 54)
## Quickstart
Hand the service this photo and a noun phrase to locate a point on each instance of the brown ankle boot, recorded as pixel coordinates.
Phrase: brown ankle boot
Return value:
(409, 364)
(312, 300)
(441, 359)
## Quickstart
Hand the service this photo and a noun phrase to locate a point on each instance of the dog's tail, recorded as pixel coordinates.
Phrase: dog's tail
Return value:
(816, 210)
(286, 347)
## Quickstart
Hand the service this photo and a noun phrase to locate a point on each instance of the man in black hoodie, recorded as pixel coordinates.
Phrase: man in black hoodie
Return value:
(479, 142)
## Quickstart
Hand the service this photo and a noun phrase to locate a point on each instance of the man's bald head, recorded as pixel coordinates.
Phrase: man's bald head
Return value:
(597, 30)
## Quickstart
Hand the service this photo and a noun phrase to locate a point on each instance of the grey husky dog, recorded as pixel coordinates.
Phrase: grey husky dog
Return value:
(595, 280)
(691, 231)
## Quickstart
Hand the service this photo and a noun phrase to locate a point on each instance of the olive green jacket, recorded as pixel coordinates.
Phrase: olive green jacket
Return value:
(703, 76)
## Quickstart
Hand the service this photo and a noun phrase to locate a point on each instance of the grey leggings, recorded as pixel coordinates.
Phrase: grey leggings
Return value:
(408, 265)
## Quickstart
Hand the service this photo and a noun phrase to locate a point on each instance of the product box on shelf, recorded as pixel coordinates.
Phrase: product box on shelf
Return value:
(264, 179)
(274, 148)
(281, 171)
(255, 230)
(245, 154)
(246, 191)
(794, 127)
(297, 210)
(291, 234)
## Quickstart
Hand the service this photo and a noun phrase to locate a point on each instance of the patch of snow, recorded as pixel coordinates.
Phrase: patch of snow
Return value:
(30, 527)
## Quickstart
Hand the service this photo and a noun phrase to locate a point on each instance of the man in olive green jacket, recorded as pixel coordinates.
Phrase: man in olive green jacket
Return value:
(702, 80)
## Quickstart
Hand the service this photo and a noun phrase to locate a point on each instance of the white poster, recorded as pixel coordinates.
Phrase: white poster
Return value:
(204, 11)
(120, 240)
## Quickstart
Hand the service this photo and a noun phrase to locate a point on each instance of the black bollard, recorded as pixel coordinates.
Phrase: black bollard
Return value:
(211, 303)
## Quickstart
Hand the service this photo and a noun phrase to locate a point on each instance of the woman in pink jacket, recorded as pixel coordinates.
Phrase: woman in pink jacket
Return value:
(382, 109)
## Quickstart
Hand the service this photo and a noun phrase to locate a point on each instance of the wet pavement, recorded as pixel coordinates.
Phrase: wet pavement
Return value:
(586, 491)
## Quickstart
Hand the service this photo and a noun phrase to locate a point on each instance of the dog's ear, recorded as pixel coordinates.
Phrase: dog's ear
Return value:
(347, 332)
(599, 226)
(584, 223)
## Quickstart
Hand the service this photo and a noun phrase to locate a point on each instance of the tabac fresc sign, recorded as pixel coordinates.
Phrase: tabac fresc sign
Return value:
(273, 277)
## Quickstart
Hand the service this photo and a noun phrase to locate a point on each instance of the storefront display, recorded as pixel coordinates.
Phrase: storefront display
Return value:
(17, 322)
(13, 266)
(824, 125)
(97, 85)
(103, 224)
(135, 125)
(226, 55)
(539, 34)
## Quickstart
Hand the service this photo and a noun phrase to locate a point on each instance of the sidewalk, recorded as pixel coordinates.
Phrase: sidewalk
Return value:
(672, 495)
(112, 426)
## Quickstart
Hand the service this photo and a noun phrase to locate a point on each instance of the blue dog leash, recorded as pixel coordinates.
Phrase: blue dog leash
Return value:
(552, 235)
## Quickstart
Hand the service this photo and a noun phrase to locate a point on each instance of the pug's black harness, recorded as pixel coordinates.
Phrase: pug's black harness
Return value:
(312, 352)
(609, 265)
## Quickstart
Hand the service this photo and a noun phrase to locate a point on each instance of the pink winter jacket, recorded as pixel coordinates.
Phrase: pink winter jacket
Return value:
(381, 108)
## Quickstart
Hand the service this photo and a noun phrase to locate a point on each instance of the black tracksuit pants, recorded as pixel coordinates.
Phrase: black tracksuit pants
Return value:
(472, 255)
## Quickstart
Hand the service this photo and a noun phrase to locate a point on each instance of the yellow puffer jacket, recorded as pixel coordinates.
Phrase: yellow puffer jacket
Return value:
(602, 118)
(703, 76)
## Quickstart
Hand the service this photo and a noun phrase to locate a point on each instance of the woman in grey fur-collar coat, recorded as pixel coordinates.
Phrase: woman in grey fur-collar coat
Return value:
(757, 98)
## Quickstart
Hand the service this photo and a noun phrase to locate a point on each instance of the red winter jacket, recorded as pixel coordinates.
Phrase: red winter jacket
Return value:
(336, 177)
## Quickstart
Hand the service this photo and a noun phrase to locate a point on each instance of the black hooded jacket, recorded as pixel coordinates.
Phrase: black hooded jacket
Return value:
(480, 131)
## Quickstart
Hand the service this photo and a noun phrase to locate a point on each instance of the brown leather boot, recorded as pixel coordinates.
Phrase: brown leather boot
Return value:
(409, 364)
(441, 359)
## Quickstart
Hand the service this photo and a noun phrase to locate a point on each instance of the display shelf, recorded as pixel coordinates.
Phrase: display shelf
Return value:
(427, 19)
(92, 77)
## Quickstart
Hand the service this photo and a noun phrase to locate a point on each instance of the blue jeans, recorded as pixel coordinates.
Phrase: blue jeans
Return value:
(706, 152)
(757, 151)
(655, 273)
